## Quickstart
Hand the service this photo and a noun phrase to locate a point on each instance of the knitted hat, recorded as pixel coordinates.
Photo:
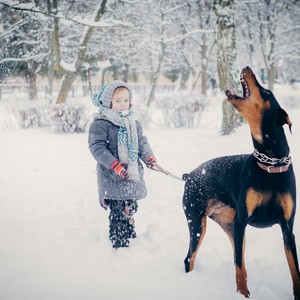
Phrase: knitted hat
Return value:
(104, 95)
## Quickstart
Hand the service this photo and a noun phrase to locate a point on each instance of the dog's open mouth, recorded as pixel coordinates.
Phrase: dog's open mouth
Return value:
(246, 73)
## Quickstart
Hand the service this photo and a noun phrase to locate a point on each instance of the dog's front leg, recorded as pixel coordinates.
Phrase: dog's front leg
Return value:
(291, 255)
(239, 246)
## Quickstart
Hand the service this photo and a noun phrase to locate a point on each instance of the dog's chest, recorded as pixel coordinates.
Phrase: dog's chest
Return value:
(269, 206)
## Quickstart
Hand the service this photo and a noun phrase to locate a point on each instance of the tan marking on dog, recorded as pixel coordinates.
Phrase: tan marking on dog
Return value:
(255, 199)
(241, 281)
(223, 215)
(253, 113)
(220, 212)
(241, 275)
(267, 105)
(193, 258)
(293, 271)
(286, 202)
(252, 110)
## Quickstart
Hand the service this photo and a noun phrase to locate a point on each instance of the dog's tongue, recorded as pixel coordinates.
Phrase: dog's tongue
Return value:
(230, 94)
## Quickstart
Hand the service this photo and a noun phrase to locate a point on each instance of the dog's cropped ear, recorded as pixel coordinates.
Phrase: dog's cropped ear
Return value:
(283, 118)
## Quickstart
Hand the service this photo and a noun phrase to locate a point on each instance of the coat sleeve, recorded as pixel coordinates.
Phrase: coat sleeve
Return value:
(144, 146)
(98, 143)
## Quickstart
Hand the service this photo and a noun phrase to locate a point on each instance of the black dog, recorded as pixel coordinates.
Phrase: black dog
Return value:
(257, 189)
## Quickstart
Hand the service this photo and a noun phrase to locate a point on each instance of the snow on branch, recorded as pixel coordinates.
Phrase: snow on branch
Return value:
(25, 58)
(182, 37)
(289, 30)
(13, 27)
(70, 67)
(172, 9)
(76, 19)
(133, 2)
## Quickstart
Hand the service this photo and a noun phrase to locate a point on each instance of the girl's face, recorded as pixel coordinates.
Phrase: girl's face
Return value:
(120, 99)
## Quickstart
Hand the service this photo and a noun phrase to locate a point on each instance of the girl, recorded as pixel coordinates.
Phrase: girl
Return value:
(117, 143)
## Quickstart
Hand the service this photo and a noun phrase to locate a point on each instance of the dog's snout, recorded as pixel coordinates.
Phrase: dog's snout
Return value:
(247, 72)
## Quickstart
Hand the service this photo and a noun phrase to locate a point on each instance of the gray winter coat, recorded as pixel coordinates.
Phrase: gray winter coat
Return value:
(103, 144)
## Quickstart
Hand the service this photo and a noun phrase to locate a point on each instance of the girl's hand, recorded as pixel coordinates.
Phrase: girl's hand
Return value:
(151, 161)
(119, 169)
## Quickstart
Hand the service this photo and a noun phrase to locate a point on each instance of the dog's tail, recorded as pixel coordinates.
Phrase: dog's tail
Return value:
(185, 176)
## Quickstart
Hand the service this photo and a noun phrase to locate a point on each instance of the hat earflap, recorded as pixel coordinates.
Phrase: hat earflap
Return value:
(96, 97)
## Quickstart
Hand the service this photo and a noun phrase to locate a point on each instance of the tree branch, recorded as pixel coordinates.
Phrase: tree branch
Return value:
(76, 19)
(24, 58)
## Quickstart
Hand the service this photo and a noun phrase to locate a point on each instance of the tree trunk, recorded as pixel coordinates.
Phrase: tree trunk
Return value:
(204, 69)
(67, 82)
(70, 76)
(50, 73)
(226, 60)
(271, 77)
(204, 84)
(268, 26)
(55, 36)
(156, 72)
(32, 86)
(90, 81)
(31, 77)
(154, 80)
(125, 72)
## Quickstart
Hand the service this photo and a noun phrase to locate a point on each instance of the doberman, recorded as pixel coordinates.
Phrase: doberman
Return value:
(258, 189)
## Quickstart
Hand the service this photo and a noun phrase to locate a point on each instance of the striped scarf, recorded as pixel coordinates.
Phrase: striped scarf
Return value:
(127, 138)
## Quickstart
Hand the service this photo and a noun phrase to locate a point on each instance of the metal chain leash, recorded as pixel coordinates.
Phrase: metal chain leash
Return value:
(286, 160)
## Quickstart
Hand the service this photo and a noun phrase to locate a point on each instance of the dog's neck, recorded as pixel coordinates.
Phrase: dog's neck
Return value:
(273, 151)
(272, 165)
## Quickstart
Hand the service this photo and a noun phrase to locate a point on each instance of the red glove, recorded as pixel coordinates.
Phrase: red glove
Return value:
(119, 169)
(151, 161)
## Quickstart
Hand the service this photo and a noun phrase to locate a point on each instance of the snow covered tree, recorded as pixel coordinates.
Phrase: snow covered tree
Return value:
(130, 39)
(157, 45)
(269, 33)
(227, 59)
(24, 42)
(76, 66)
(198, 42)
(120, 45)
(277, 33)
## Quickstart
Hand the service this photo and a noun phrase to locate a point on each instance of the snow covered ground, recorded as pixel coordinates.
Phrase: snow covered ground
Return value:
(54, 235)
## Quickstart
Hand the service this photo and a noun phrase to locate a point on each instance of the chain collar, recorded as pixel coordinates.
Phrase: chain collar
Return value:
(282, 163)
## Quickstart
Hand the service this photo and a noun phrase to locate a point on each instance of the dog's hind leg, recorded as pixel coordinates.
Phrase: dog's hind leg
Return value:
(195, 211)
(224, 216)
(197, 229)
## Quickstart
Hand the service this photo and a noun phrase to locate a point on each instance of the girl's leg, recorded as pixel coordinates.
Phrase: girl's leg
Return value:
(131, 207)
(118, 224)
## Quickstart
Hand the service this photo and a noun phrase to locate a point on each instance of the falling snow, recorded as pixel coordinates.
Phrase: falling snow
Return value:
(55, 234)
